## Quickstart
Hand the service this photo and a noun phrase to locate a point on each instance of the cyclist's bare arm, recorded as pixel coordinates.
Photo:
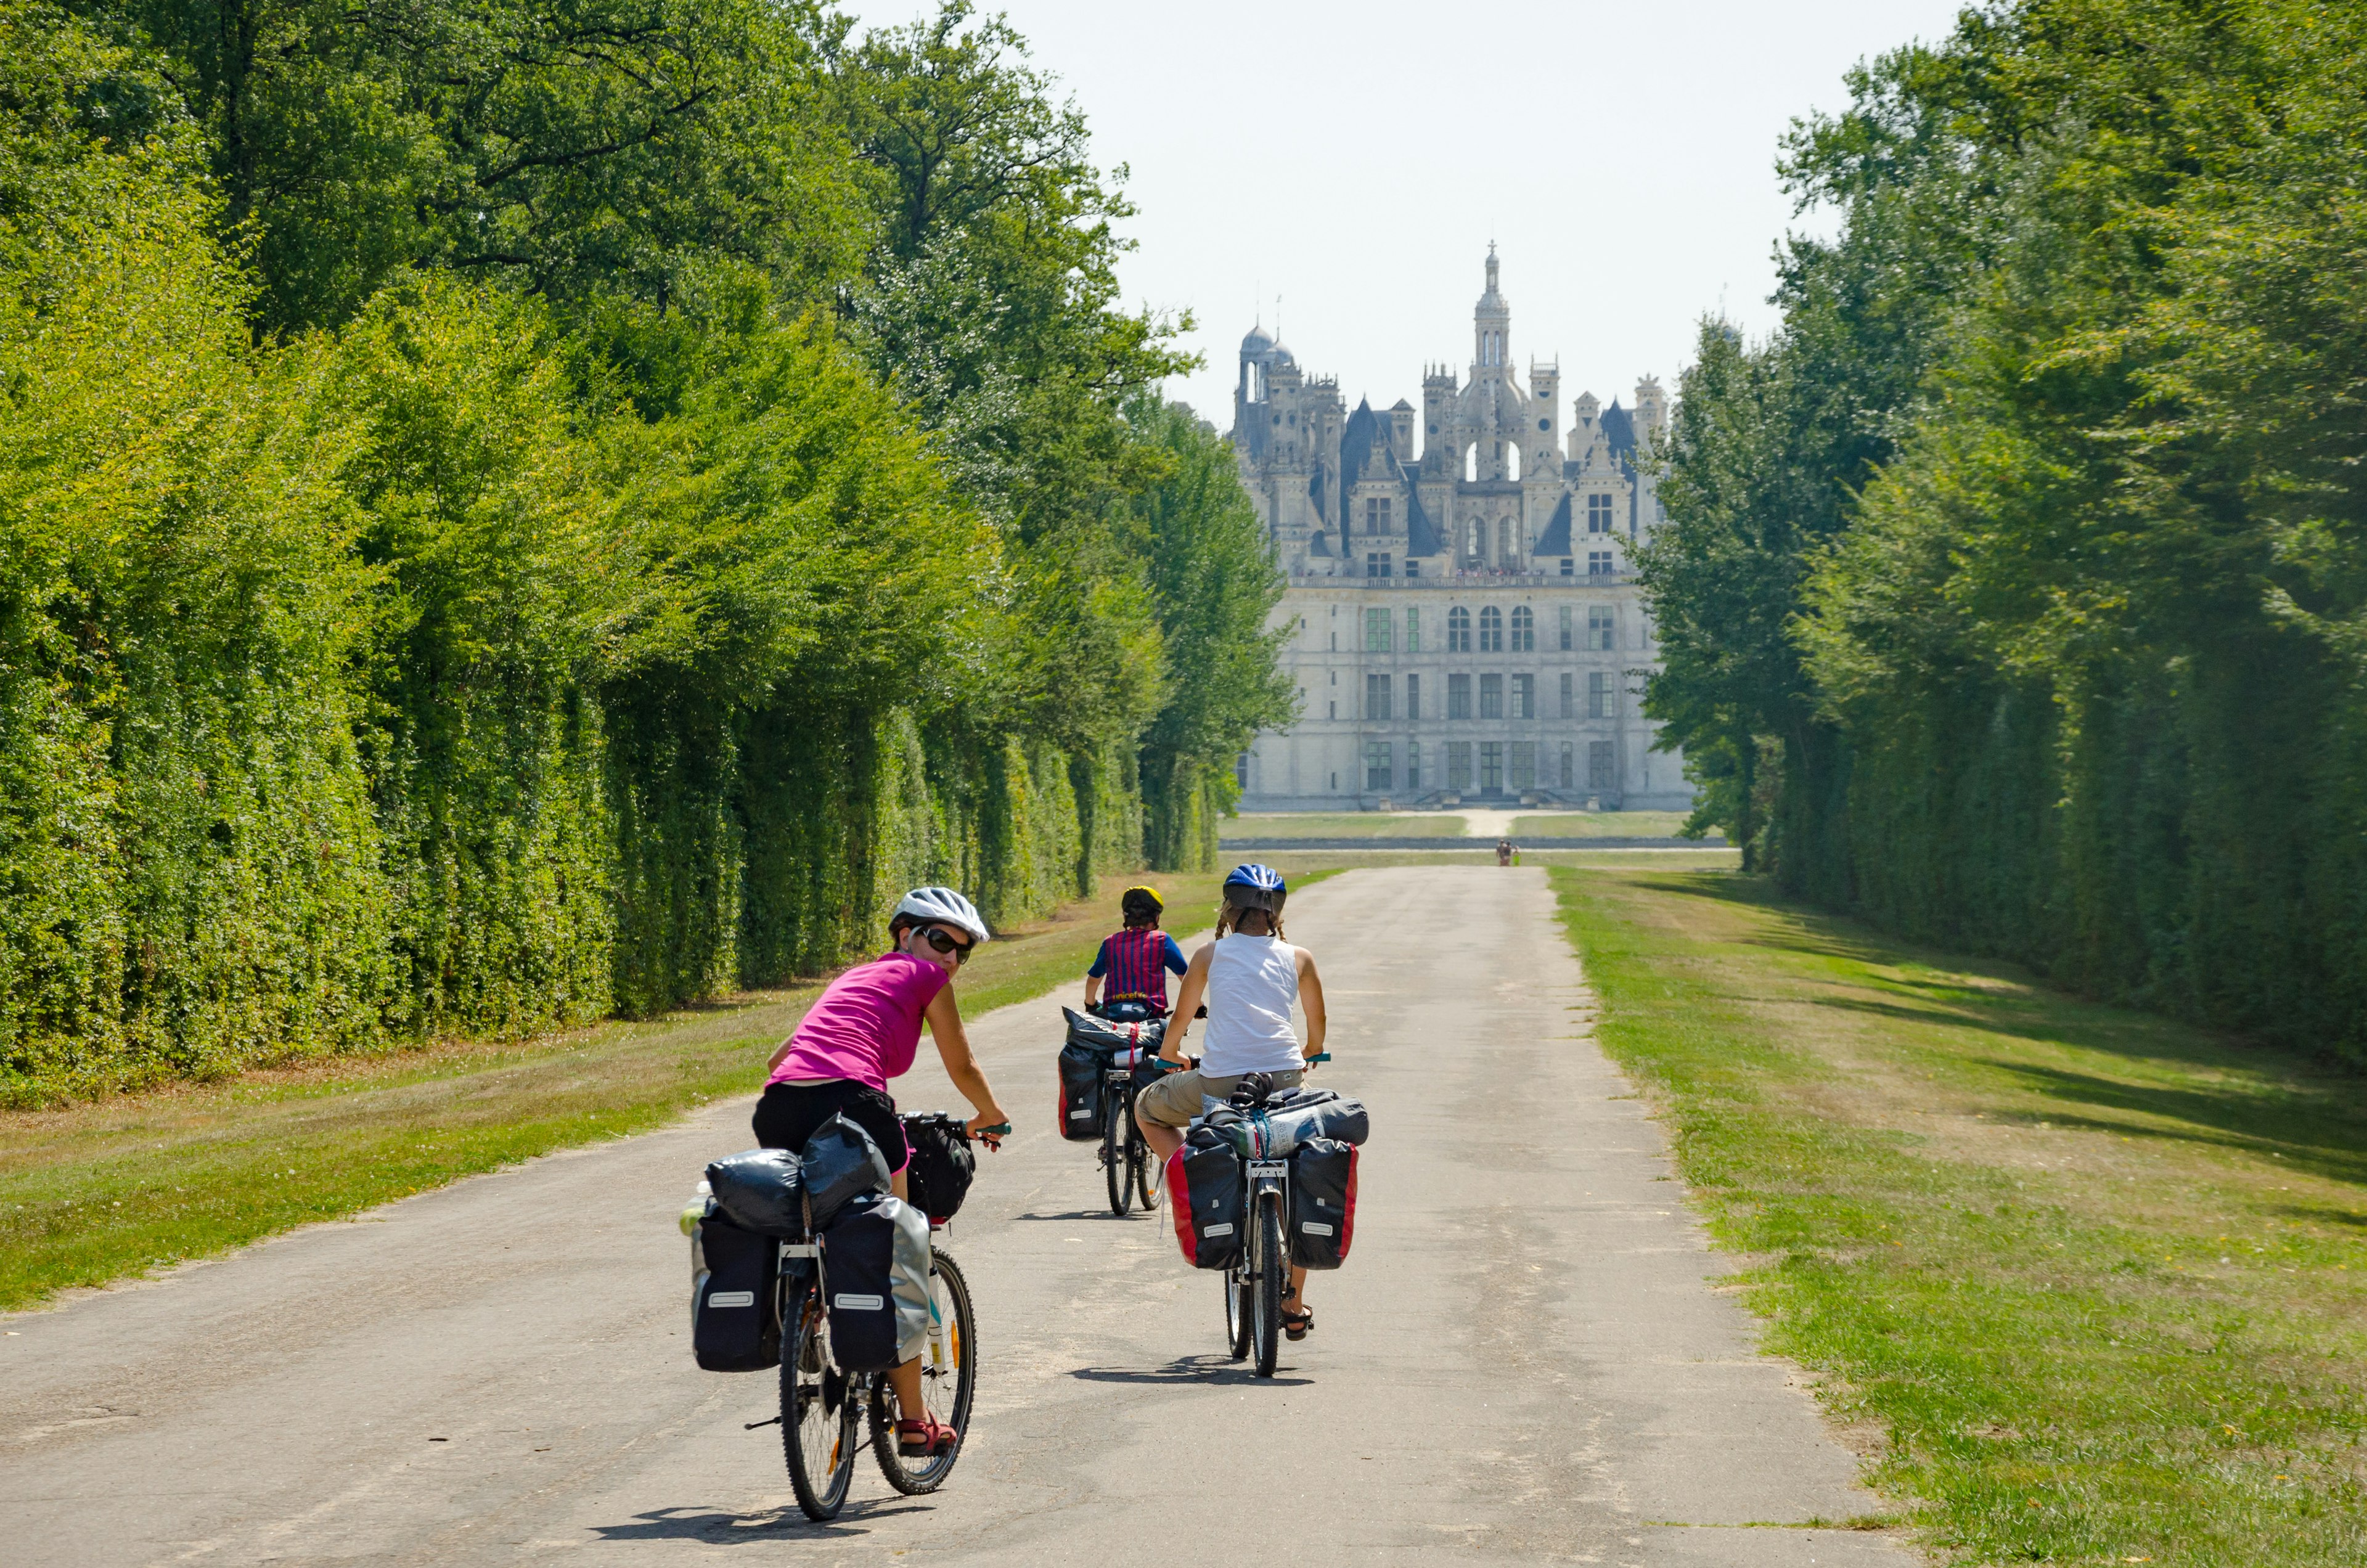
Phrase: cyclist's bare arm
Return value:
(1093, 989)
(1311, 997)
(1188, 997)
(961, 1063)
(779, 1052)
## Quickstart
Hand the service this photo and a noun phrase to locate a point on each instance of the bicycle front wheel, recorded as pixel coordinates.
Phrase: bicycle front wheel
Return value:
(1237, 1312)
(948, 1381)
(817, 1413)
(1266, 1282)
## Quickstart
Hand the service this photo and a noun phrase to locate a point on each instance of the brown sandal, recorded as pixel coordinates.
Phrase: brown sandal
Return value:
(1297, 1324)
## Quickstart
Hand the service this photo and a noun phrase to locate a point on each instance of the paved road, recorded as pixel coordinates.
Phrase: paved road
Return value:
(1526, 1358)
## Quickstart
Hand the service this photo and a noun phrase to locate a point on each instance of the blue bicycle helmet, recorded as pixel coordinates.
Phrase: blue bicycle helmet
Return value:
(1255, 886)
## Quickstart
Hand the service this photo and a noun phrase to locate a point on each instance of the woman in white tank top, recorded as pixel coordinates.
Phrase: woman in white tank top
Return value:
(1249, 977)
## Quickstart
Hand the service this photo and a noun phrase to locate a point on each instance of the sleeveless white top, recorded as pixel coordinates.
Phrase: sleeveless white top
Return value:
(1253, 982)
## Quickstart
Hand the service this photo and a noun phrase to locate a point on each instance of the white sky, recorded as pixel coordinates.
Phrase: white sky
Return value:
(1355, 160)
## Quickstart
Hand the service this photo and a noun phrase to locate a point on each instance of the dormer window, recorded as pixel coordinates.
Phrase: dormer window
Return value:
(1598, 514)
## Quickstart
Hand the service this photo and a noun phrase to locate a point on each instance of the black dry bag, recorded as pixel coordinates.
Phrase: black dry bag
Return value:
(734, 1327)
(1080, 1092)
(759, 1191)
(841, 1164)
(939, 1176)
(1322, 1202)
(1204, 1191)
(858, 1258)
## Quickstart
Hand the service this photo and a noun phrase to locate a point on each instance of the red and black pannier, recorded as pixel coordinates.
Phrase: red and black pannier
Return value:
(1322, 1202)
(1203, 1190)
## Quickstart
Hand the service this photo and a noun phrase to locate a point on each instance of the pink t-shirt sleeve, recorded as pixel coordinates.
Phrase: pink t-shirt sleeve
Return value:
(867, 1025)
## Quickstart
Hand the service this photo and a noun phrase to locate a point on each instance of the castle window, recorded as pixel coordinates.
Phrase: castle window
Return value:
(1600, 696)
(1602, 767)
(1565, 614)
(1376, 699)
(1491, 697)
(1414, 567)
(1413, 762)
(1601, 627)
(1491, 630)
(1524, 764)
(1377, 631)
(1458, 764)
(1568, 567)
(1458, 696)
(1413, 705)
(1524, 630)
(1524, 697)
(1241, 769)
(1377, 564)
(1598, 563)
(1413, 622)
(1568, 772)
(1378, 767)
(1598, 514)
(1458, 630)
(1492, 767)
(1544, 425)
(1569, 701)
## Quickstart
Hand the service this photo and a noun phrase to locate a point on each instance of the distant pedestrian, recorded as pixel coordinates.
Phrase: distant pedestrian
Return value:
(1504, 851)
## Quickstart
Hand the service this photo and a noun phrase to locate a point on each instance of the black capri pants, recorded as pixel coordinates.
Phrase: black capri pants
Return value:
(789, 1113)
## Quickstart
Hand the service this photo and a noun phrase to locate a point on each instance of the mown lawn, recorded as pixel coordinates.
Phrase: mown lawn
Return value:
(94, 1192)
(1599, 825)
(2094, 1277)
(1338, 825)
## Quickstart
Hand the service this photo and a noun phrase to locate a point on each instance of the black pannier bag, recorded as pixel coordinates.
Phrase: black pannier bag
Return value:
(1322, 1202)
(939, 1176)
(842, 1162)
(1204, 1191)
(761, 1191)
(1080, 1091)
(734, 1321)
(858, 1272)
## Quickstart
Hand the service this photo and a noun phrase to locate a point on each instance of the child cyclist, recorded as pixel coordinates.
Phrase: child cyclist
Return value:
(1249, 976)
(1136, 961)
(865, 1029)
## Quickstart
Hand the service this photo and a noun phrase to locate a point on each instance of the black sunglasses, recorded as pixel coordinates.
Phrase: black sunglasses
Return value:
(938, 938)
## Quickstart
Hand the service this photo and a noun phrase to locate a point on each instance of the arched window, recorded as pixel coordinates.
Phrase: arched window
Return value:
(1516, 461)
(1491, 630)
(1524, 630)
(1471, 461)
(1458, 630)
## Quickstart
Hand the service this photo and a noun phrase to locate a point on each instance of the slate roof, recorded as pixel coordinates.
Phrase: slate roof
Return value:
(1555, 540)
(1421, 536)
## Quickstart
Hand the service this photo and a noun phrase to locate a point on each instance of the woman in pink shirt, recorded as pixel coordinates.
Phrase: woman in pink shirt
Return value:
(865, 1029)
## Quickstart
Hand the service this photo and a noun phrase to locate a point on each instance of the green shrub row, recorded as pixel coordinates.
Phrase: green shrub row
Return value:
(2014, 589)
(505, 648)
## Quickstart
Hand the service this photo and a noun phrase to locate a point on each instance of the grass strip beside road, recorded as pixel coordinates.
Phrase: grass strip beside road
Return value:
(1600, 825)
(97, 1191)
(2096, 1277)
(1338, 825)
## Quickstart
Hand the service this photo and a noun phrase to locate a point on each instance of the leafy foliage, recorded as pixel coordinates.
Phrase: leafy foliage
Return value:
(2076, 666)
(508, 513)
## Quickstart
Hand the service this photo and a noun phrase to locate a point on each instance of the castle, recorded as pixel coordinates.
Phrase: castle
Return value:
(1467, 624)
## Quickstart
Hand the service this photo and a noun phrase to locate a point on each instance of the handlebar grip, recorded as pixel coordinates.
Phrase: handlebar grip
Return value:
(1000, 1130)
(1319, 1056)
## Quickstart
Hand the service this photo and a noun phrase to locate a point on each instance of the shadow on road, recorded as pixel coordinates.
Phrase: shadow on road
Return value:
(1219, 1370)
(771, 1523)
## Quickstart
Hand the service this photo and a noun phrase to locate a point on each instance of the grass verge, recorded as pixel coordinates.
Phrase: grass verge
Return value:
(97, 1191)
(1340, 825)
(2096, 1276)
(1601, 825)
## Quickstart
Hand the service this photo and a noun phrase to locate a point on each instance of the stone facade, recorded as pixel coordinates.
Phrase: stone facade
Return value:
(1466, 622)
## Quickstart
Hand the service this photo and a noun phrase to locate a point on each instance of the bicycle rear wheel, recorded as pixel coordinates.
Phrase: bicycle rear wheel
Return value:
(1266, 1284)
(1115, 1174)
(817, 1413)
(948, 1381)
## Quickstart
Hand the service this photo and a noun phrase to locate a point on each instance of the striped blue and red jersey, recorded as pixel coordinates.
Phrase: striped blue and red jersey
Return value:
(1136, 965)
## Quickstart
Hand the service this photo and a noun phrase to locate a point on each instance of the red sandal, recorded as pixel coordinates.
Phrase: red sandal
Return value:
(924, 1438)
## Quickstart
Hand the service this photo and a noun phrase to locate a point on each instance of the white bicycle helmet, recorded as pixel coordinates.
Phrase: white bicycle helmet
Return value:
(942, 906)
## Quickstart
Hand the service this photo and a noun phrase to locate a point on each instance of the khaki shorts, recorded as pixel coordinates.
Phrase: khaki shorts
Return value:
(1174, 1100)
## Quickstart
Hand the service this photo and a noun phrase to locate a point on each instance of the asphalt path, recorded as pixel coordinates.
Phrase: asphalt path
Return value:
(1527, 1357)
